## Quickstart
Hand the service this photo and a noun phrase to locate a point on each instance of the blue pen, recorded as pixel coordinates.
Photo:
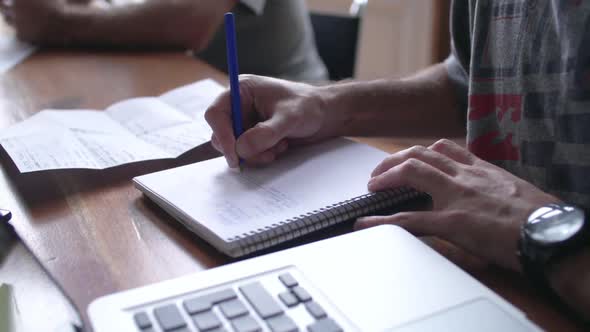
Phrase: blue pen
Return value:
(232, 68)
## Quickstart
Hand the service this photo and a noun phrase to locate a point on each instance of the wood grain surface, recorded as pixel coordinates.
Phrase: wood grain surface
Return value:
(93, 232)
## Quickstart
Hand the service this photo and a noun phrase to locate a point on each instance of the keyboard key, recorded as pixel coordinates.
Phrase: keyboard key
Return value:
(196, 305)
(206, 321)
(281, 323)
(264, 304)
(246, 324)
(324, 325)
(219, 329)
(315, 310)
(288, 280)
(142, 320)
(232, 309)
(221, 296)
(289, 299)
(169, 317)
(301, 293)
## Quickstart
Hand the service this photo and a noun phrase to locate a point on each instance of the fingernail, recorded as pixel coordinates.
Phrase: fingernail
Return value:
(231, 162)
(371, 183)
(228, 161)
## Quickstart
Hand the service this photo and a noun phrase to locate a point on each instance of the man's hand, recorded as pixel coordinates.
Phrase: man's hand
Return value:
(477, 206)
(276, 114)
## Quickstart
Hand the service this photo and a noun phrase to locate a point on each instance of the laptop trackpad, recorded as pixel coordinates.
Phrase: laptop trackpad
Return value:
(478, 315)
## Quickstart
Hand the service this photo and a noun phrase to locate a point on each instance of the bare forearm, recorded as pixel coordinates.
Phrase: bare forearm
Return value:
(571, 281)
(187, 24)
(421, 104)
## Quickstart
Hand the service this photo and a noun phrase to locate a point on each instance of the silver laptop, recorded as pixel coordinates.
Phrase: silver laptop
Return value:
(379, 279)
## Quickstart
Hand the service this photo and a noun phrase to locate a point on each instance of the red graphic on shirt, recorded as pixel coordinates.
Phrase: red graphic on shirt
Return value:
(487, 148)
(483, 105)
(490, 146)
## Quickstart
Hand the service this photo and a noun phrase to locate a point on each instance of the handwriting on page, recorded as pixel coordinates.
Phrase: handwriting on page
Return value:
(256, 199)
(129, 131)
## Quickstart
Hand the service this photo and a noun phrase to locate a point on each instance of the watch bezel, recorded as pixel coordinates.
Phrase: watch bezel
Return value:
(535, 217)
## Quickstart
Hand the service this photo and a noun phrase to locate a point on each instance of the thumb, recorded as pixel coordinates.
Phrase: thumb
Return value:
(421, 223)
(263, 136)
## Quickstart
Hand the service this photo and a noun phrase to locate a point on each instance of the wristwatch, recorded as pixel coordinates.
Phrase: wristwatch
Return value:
(551, 233)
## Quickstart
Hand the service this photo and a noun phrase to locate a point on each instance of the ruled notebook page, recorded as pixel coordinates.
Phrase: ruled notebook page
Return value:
(230, 203)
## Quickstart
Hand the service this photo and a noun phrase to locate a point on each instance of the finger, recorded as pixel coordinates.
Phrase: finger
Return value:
(420, 223)
(428, 156)
(264, 135)
(218, 116)
(453, 151)
(215, 143)
(416, 174)
(270, 155)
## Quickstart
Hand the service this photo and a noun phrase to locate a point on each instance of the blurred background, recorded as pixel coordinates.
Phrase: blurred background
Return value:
(368, 39)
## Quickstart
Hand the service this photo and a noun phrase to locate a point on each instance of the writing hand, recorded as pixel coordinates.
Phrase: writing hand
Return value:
(477, 206)
(276, 114)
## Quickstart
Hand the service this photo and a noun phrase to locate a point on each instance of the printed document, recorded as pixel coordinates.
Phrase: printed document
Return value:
(132, 130)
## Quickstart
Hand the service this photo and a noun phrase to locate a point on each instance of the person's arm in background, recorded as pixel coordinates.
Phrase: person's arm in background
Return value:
(152, 23)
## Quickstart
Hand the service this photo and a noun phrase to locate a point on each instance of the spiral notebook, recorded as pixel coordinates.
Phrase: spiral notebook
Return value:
(309, 189)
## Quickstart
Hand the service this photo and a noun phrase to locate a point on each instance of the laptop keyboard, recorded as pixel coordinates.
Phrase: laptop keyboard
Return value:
(277, 301)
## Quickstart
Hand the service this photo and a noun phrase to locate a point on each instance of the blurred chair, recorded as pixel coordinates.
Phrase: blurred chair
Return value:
(336, 39)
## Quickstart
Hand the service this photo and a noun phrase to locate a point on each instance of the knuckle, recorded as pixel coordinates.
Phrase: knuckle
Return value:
(409, 167)
(442, 144)
(467, 191)
(248, 81)
(210, 114)
(246, 78)
(215, 108)
(416, 151)
(291, 117)
(455, 216)
(388, 162)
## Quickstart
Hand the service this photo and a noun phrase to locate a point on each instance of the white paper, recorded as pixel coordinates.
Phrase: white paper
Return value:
(132, 130)
(12, 50)
(229, 203)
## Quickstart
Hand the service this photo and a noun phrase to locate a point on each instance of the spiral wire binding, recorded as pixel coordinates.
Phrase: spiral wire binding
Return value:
(315, 220)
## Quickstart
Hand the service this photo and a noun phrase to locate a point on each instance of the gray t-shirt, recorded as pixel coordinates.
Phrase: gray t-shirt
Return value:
(274, 38)
(522, 70)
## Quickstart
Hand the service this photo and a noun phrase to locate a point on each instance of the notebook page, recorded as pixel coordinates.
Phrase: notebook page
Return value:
(230, 203)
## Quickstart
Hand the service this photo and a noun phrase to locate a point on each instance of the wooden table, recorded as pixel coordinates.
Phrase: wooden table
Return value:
(92, 231)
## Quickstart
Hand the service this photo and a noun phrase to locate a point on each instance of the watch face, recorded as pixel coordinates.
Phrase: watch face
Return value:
(554, 223)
